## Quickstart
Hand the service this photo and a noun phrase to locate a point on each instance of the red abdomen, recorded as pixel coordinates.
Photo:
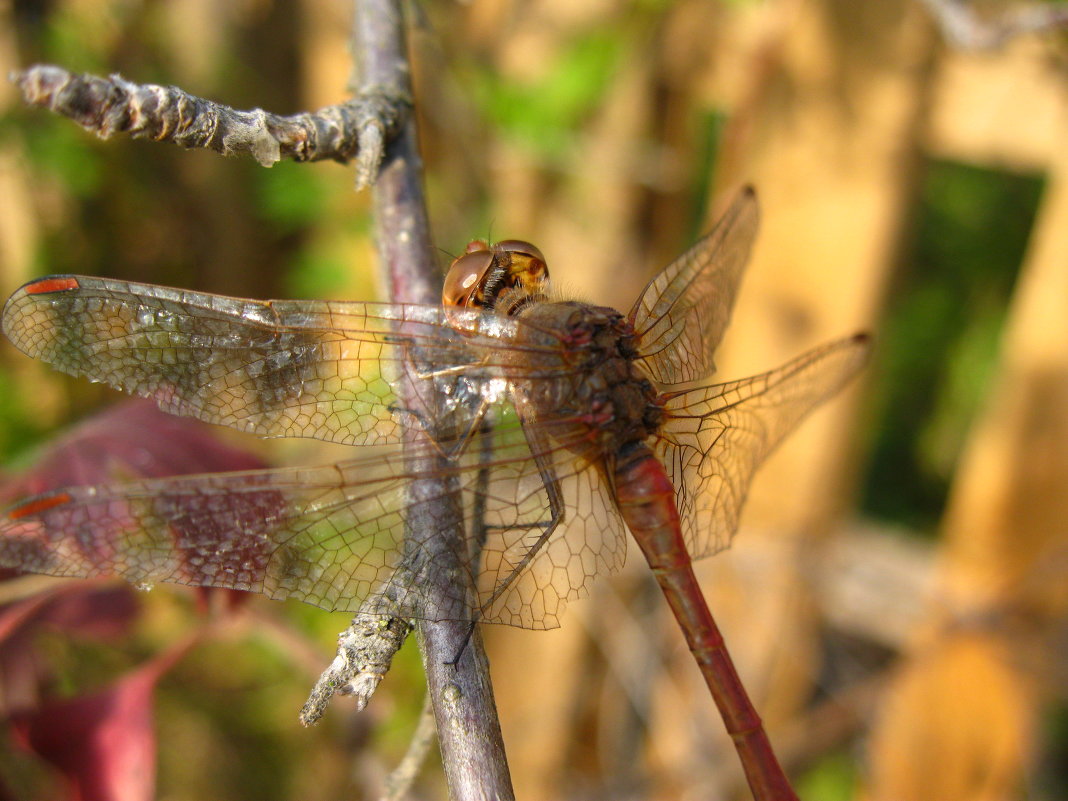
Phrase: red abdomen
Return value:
(646, 500)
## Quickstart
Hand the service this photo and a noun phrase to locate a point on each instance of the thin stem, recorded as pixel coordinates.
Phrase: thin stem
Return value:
(468, 728)
(400, 780)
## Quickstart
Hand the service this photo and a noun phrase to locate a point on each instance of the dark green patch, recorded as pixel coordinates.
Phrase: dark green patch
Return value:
(1051, 780)
(709, 139)
(938, 346)
(832, 778)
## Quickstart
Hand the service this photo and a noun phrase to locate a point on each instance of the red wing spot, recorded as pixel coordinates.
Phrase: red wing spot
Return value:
(38, 505)
(46, 285)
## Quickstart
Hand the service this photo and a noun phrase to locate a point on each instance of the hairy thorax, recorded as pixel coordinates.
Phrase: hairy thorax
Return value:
(588, 382)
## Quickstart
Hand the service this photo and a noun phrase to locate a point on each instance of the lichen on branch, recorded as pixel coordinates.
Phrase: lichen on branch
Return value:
(365, 651)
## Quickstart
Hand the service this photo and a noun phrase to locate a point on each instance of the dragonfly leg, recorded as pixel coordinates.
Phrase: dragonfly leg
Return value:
(479, 529)
(463, 646)
(556, 516)
(440, 372)
(456, 446)
(551, 483)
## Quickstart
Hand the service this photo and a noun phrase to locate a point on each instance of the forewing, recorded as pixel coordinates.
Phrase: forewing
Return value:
(715, 437)
(275, 368)
(366, 530)
(682, 313)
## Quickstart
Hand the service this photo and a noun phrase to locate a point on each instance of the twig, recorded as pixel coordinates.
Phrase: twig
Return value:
(965, 29)
(469, 734)
(399, 781)
(359, 128)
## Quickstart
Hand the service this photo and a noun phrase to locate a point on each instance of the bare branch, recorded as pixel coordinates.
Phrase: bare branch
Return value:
(399, 782)
(964, 28)
(359, 128)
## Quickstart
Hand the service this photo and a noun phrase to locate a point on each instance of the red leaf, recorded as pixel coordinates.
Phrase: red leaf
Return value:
(92, 610)
(104, 743)
(131, 439)
(99, 612)
(81, 610)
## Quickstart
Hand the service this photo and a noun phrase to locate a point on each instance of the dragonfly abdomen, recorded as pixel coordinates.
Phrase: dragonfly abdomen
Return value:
(645, 497)
(646, 500)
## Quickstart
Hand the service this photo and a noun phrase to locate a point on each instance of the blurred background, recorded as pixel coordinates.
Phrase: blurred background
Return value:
(896, 597)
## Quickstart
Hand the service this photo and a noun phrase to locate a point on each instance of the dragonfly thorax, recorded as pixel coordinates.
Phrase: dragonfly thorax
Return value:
(593, 384)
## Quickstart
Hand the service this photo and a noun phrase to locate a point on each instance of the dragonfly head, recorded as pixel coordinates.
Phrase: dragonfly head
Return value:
(485, 274)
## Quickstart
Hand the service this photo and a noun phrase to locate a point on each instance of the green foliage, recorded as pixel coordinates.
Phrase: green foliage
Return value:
(710, 126)
(290, 196)
(543, 115)
(833, 778)
(236, 697)
(940, 340)
(1052, 779)
(315, 272)
(319, 217)
(76, 35)
(19, 431)
(63, 150)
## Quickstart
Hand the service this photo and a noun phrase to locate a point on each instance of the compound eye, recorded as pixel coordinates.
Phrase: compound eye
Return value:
(465, 278)
(519, 246)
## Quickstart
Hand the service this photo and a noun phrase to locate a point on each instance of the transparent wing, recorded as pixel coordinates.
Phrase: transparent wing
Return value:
(589, 541)
(682, 313)
(338, 536)
(273, 368)
(716, 436)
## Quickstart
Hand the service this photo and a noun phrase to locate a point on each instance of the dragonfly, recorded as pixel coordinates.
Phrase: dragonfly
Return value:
(545, 427)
